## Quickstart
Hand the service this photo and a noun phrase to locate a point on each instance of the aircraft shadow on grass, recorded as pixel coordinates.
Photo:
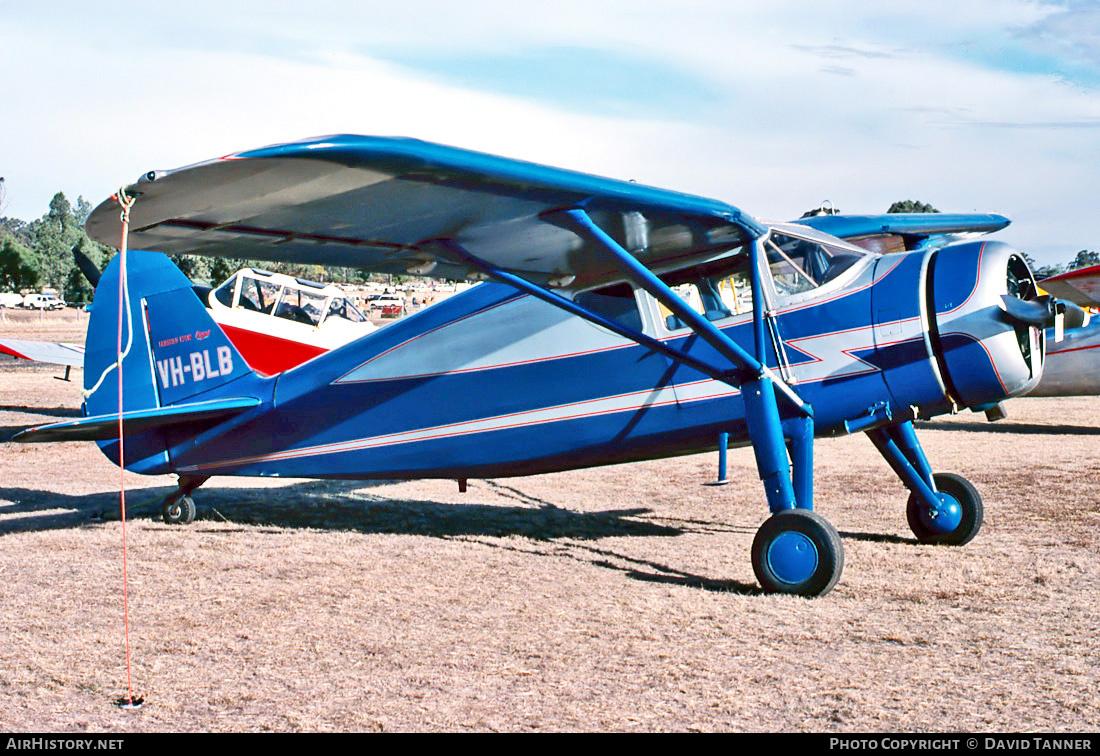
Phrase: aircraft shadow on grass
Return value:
(1003, 427)
(7, 431)
(328, 505)
(47, 411)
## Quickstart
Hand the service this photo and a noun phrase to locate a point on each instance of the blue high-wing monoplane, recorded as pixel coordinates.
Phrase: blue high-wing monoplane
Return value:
(620, 323)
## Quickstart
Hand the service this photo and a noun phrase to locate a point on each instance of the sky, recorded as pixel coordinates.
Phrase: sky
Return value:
(979, 105)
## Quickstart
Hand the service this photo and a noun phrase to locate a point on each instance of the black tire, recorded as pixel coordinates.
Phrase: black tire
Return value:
(178, 510)
(799, 528)
(970, 503)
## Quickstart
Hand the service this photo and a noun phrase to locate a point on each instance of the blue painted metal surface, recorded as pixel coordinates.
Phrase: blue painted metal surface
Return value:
(369, 202)
(920, 225)
(911, 475)
(792, 557)
(580, 311)
(646, 279)
(905, 438)
(533, 415)
(758, 391)
(874, 416)
(100, 427)
(944, 516)
(514, 379)
(800, 443)
(723, 452)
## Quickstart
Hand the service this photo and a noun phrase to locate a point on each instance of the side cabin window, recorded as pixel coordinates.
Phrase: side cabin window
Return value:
(614, 302)
(224, 293)
(716, 290)
(341, 307)
(300, 306)
(799, 265)
(257, 295)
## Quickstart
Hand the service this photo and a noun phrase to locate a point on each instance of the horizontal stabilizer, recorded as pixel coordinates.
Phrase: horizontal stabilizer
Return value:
(105, 427)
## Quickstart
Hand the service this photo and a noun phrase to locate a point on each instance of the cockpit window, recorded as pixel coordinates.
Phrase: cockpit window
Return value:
(343, 308)
(716, 290)
(799, 265)
(257, 295)
(615, 302)
(300, 306)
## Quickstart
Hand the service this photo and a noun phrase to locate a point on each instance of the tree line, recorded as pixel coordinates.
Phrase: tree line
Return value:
(39, 254)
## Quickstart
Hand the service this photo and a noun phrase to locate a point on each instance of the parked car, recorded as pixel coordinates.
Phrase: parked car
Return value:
(10, 300)
(386, 302)
(43, 302)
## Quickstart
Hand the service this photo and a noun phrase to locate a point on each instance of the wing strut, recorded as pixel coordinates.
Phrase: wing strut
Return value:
(770, 434)
(579, 222)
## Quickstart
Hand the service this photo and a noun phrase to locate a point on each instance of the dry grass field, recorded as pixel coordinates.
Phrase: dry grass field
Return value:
(618, 598)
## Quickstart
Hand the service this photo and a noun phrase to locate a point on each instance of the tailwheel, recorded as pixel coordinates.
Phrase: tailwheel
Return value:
(178, 509)
(797, 551)
(958, 518)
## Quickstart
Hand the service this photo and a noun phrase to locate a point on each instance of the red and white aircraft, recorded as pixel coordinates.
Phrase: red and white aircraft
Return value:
(278, 321)
(1073, 363)
(275, 321)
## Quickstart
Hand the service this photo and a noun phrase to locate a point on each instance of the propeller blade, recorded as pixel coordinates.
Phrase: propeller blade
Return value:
(1037, 312)
(1043, 311)
(87, 267)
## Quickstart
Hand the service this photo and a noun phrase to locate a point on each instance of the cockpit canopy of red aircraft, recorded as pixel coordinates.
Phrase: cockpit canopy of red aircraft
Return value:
(295, 299)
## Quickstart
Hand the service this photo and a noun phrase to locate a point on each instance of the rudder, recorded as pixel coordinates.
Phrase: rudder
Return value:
(172, 350)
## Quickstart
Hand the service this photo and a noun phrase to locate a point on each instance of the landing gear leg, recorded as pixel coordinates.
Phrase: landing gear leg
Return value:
(943, 508)
(796, 550)
(178, 508)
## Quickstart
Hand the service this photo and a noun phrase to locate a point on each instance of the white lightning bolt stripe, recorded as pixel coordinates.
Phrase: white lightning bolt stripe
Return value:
(831, 353)
(693, 391)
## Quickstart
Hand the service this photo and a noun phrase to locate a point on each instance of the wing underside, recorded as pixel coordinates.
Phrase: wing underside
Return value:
(897, 232)
(383, 204)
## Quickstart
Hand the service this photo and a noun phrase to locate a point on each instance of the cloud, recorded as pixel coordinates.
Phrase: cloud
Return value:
(772, 107)
(1071, 32)
(834, 52)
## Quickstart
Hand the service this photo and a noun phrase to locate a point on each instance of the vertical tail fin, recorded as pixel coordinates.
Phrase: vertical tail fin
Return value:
(172, 349)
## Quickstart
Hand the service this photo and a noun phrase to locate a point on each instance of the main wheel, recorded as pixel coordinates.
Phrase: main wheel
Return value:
(178, 510)
(797, 551)
(956, 521)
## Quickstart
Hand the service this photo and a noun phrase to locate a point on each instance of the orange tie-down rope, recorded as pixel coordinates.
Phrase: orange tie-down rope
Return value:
(125, 202)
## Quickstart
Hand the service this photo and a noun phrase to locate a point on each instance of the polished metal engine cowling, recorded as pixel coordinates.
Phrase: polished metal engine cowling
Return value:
(984, 353)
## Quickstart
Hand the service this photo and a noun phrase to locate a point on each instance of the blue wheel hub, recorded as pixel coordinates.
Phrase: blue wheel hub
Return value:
(946, 517)
(792, 557)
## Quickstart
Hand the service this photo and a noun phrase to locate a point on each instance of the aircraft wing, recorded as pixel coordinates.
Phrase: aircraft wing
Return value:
(906, 230)
(380, 203)
(1081, 286)
(71, 355)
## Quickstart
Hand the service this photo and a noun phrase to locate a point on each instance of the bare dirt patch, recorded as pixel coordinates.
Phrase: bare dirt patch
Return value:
(618, 598)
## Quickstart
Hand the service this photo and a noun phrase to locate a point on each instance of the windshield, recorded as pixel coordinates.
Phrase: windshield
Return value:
(799, 265)
(343, 308)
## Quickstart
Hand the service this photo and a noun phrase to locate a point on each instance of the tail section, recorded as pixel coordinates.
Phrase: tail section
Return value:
(191, 354)
(174, 354)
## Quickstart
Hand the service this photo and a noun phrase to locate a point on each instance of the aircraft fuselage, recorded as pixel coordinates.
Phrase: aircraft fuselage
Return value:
(492, 383)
